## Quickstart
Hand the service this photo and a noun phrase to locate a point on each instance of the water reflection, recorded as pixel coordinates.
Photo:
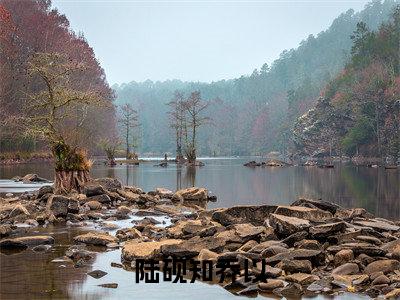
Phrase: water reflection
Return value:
(377, 190)
(190, 176)
(28, 274)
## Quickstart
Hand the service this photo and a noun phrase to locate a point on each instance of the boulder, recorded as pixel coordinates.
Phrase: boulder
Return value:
(343, 256)
(292, 290)
(285, 225)
(33, 178)
(323, 205)
(206, 254)
(145, 250)
(92, 189)
(382, 279)
(77, 252)
(378, 225)
(349, 214)
(273, 250)
(252, 164)
(164, 193)
(264, 245)
(346, 269)
(369, 239)
(109, 226)
(93, 205)
(392, 247)
(254, 214)
(326, 230)
(302, 278)
(133, 189)
(97, 274)
(95, 238)
(359, 248)
(308, 244)
(189, 194)
(128, 195)
(57, 205)
(248, 231)
(269, 272)
(271, 284)
(188, 228)
(248, 245)
(26, 241)
(306, 213)
(47, 189)
(394, 294)
(109, 184)
(295, 237)
(317, 257)
(123, 210)
(295, 266)
(73, 206)
(128, 234)
(102, 198)
(192, 247)
(147, 199)
(385, 266)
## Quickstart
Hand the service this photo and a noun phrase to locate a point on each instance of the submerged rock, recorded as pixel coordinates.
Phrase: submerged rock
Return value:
(26, 241)
(97, 274)
(109, 285)
(95, 238)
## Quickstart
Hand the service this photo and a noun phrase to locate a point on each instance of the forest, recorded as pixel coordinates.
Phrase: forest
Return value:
(33, 36)
(358, 112)
(252, 114)
(255, 114)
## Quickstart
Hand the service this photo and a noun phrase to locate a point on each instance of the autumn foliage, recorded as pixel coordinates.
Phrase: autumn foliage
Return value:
(29, 27)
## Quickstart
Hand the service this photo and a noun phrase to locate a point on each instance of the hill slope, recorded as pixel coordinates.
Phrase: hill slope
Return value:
(359, 112)
(255, 114)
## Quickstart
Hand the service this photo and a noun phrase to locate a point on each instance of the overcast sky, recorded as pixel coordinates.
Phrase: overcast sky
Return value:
(195, 40)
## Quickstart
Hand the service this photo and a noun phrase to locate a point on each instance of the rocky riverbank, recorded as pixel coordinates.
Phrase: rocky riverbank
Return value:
(309, 247)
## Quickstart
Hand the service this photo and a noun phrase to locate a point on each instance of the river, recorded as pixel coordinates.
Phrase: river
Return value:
(30, 275)
(375, 189)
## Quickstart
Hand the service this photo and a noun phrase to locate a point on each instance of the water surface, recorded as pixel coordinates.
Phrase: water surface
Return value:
(30, 275)
(375, 189)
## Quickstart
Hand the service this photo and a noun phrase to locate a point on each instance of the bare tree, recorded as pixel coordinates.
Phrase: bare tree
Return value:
(110, 146)
(128, 120)
(55, 103)
(178, 122)
(194, 107)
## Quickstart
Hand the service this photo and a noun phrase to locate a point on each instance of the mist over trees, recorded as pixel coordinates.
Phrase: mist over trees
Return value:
(359, 111)
(254, 114)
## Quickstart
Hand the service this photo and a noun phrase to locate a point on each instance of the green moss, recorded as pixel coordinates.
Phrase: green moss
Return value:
(69, 159)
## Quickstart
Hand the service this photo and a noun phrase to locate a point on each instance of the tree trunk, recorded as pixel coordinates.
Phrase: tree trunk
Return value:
(68, 181)
(111, 162)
